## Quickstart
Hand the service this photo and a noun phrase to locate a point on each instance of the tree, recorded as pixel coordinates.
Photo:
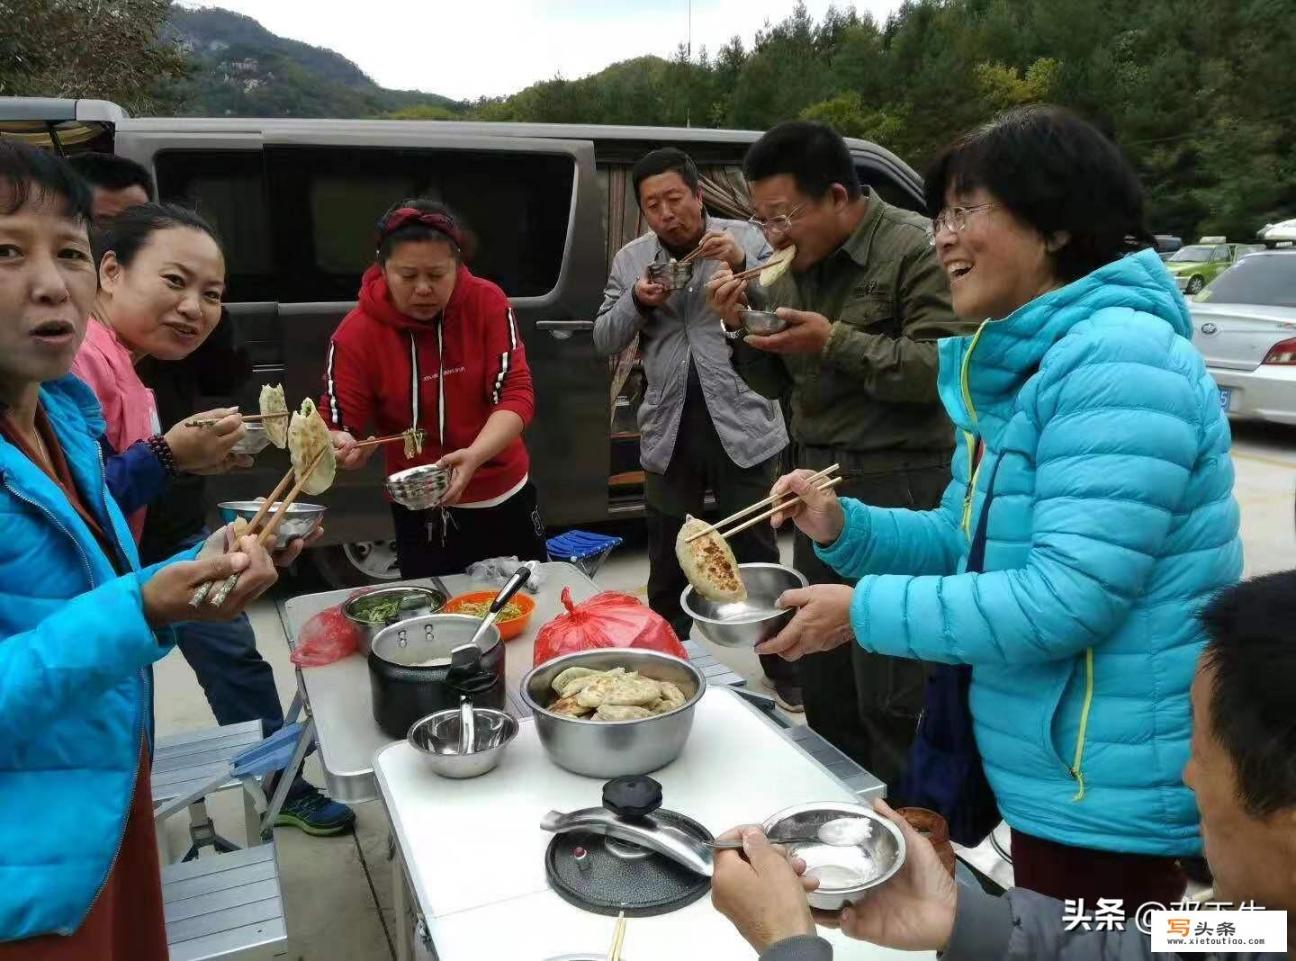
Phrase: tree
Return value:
(90, 49)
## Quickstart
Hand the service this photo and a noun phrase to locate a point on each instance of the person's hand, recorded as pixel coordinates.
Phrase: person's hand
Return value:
(462, 465)
(808, 334)
(818, 514)
(915, 910)
(223, 540)
(166, 595)
(722, 246)
(763, 896)
(648, 293)
(199, 449)
(822, 622)
(726, 296)
(346, 454)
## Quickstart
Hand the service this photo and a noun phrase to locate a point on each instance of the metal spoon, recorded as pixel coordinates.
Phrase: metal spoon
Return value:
(520, 577)
(839, 833)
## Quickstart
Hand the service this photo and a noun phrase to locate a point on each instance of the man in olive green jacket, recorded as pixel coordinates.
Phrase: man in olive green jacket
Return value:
(858, 363)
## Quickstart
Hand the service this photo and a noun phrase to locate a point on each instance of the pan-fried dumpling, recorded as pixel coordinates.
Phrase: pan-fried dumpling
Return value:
(709, 563)
(274, 414)
(633, 690)
(562, 683)
(671, 697)
(621, 712)
(308, 438)
(568, 707)
(777, 265)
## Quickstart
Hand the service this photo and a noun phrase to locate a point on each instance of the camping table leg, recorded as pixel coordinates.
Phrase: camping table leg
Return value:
(400, 904)
(305, 741)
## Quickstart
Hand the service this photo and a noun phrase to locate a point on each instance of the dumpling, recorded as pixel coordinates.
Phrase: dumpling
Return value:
(621, 712)
(777, 265)
(308, 438)
(632, 690)
(709, 563)
(274, 414)
(562, 682)
(670, 698)
(568, 707)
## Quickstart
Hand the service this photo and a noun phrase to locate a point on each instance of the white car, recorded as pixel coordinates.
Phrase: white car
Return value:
(1244, 323)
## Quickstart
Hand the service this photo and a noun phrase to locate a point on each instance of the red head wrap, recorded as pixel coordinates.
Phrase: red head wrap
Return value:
(404, 216)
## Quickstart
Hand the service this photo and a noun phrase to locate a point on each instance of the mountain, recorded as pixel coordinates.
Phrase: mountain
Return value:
(241, 69)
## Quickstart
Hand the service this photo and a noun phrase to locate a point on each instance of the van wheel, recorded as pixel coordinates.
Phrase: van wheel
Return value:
(356, 564)
(1196, 284)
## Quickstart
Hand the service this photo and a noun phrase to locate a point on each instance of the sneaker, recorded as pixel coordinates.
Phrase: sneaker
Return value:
(310, 811)
(788, 697)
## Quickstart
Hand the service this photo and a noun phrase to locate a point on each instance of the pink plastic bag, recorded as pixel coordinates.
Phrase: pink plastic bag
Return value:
(325, 638)
(605, 620)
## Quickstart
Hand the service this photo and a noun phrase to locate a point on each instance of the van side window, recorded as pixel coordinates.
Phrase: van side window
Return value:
(228, 188)
(518, 206)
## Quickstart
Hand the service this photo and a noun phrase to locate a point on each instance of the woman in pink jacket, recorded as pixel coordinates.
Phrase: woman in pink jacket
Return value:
(161, 279)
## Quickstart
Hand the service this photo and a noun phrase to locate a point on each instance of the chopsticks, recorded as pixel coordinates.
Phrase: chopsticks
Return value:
(690, 255)
(389, 439)
(247, 419)
(781, 502)
(265, 534)
(618, 938)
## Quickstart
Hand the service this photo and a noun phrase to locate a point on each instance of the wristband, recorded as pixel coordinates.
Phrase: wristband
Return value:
(162, 451)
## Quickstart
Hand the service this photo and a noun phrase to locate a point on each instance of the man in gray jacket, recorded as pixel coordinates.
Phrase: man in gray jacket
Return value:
(1242, 769)
(701, 428)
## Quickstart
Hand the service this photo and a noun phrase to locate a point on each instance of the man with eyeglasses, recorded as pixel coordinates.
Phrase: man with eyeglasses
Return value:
(866, 301)
(700, 427)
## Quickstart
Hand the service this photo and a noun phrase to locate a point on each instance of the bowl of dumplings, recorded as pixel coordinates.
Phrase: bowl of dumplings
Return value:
(614, 711)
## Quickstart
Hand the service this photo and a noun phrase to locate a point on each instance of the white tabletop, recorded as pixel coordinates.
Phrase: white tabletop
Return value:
(475, 851)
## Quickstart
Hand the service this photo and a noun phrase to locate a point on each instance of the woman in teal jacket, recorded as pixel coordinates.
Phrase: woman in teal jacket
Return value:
(1083, 406)
(80, 623)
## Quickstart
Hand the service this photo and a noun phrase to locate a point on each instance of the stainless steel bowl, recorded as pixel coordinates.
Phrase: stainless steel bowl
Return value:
(253, 442)
(673, 275)
(762, 323)
(433, 600)
(845, 873)
(436, 737)
(746, 623)
(419, 488)
(607, 749)
(302, 519)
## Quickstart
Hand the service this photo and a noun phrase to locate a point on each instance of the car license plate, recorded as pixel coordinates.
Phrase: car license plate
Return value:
(1226, 396)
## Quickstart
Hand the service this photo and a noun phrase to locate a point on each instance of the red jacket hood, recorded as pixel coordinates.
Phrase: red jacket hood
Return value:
(375, 300)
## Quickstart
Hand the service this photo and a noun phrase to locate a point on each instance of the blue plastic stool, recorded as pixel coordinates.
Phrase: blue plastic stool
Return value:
(587, 551)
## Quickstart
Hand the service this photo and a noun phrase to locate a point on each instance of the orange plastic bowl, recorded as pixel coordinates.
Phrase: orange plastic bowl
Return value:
(509, 628)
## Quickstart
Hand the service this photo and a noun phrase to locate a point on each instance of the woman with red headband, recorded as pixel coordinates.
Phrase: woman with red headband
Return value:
(431, 346)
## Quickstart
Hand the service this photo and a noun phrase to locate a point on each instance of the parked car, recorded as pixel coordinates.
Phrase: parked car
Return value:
(1281, 234)
(296, 201)
(1245, 326)
(1167, 244)
(1198, 264)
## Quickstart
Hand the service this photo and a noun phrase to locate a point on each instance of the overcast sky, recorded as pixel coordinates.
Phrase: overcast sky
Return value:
(484, 48)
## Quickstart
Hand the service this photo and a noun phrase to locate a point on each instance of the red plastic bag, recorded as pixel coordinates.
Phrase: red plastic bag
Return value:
(605, 620)
(325, 638)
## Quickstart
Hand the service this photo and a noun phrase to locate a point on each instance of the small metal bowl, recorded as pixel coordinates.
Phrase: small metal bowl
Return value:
(253, 442)
(433, 601)
(673, 275)
(750, 622)
(762, 323)
(846, 874)
(302, 519)
(437, 738)
(419, 488)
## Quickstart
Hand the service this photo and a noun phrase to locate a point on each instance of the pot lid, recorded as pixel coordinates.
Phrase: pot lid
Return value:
(427, 641)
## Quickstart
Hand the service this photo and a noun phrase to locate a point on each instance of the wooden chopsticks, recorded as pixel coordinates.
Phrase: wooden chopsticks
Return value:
(781, 502)
(690, 255)
(618, 938)
(247, 419)
(389, 439)
(265, 533)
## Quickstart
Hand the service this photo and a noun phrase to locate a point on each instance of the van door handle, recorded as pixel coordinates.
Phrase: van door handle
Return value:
(563, 329)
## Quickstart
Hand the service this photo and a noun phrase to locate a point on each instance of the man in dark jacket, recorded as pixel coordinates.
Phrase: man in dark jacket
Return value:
(866, 301)
(1242, 770)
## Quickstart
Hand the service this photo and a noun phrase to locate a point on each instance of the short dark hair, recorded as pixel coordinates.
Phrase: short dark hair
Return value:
(127, 233)
(109, 172)
(1252, 651)
(1055, 172)
(30, 175)
(414, 232)
(812, 153)
(665, 160)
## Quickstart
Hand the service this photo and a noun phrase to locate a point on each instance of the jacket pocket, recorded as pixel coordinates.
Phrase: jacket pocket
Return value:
(1051, 709)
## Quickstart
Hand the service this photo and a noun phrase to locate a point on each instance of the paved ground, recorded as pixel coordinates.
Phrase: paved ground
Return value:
(337, 891)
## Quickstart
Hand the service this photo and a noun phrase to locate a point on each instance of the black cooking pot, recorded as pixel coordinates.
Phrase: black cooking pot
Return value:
(426, 664)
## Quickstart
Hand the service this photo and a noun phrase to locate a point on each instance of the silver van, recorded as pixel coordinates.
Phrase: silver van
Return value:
(296, 202)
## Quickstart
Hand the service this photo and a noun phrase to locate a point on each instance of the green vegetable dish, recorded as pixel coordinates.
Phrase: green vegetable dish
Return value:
(385, 608)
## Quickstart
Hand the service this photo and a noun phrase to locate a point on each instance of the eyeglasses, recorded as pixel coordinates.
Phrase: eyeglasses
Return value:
(956, 218)
(776, 225)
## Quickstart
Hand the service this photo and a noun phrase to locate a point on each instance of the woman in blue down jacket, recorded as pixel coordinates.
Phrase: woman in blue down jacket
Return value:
(1082, 406)
(80, 623)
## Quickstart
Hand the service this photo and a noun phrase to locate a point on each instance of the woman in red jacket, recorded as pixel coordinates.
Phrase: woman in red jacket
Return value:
(431, 346)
